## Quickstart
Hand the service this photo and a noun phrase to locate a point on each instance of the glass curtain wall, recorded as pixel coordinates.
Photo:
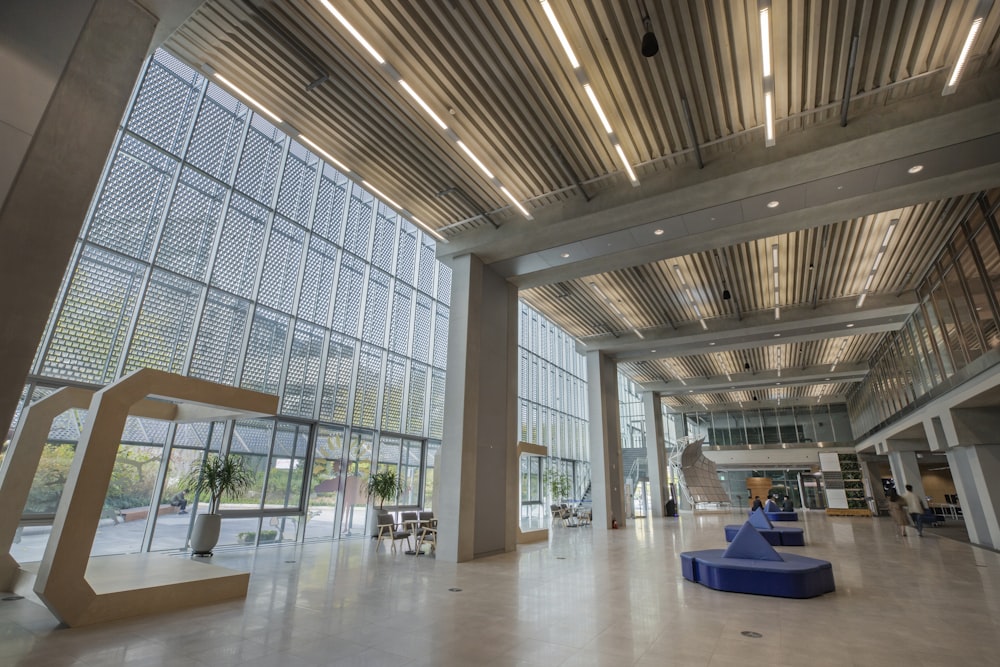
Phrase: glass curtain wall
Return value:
(220, 248)
(952, 333)
(552, 411)
(771, 426)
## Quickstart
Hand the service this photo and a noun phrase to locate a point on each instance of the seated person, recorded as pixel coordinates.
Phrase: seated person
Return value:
(771, 506)
(180, 501)
(787, 505)
(756, 503)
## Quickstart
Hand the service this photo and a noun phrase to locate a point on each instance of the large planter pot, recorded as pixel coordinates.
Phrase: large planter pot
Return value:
(205, 535)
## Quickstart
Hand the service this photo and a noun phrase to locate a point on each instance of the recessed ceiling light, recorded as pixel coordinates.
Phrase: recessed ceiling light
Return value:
(915, 169)
(713, 342)
(778, 383)
(777, 335)
(774, 203)
(653, 351)
(565, 255)
(851, 325)
(827, 379)
(658, 232)
(840, 187)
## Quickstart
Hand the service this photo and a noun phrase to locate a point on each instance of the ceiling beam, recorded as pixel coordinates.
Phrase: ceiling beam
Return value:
(764, 379)
(881, 312)
(819, 175)
(695, 405)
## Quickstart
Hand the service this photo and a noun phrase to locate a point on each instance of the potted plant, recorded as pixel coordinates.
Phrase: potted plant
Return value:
(217, 476)
(383, 485)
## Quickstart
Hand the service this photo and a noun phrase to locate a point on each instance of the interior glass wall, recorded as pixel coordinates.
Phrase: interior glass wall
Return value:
(952, 333)
(771, 426)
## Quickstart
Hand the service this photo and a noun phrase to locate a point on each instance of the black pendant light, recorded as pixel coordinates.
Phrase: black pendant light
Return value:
(650, 47)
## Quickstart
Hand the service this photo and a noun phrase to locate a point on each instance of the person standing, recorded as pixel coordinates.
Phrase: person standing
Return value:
(915, 506)
(897, 510)
(756, 504)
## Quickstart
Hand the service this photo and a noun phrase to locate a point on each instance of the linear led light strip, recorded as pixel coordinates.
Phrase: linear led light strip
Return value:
(779, 362)
(764, 8)
(581, 77)
(982, 9)
(619, 313)
(878, 261)
(774, 273)
(448, 132)
(840, 353)
(314, 146)
(690, 296)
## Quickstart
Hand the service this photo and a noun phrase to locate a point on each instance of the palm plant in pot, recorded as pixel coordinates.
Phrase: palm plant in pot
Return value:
(383, 485)
(217, 476)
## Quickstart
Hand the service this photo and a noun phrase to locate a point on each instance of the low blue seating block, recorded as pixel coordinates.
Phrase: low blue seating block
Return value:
(751, 565)
(778, 537)
(780, 516)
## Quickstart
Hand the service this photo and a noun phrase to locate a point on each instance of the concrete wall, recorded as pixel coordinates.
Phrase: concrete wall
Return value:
(36, 39)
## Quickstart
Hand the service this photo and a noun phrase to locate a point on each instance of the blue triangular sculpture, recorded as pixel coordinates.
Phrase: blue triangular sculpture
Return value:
(750, 544)
(759, 520)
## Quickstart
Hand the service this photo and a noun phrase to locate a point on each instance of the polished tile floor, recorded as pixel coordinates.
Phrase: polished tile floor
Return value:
(589, 597)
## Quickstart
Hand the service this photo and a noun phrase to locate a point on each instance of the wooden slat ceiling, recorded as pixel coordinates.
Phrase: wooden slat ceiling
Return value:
(763, 397)
(816, 266)
(732, 362)
(496, 73)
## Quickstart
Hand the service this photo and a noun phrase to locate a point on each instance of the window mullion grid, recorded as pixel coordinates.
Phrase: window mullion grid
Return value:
(966, 291)
(355, 361)
(158, 484)
(158, 234)
(990, 224)
(255, 291)
(55, 314)
(956, 320)
(307, 239)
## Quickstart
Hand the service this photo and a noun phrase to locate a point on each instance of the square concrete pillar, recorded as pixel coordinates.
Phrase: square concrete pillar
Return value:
(604, 429)
(656, 455)
(477, 481)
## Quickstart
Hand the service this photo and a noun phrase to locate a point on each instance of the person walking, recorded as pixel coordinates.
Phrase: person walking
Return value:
(897, 510)
(915, 505)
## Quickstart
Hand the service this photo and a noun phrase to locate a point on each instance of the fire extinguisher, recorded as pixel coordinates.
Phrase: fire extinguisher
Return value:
(614, 523)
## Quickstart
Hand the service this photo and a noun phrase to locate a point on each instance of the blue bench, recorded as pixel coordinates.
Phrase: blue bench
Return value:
(778, 537)
(780, 516)
(751, 565)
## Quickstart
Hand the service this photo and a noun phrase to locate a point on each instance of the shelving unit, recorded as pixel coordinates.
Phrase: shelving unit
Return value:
(845, 488)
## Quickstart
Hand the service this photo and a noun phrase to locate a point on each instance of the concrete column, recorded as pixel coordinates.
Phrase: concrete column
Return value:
(905, 470)
(604, 429)
(974, 510)
(60, 152)
(656, 454)
(478, 476)
(974, 457)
